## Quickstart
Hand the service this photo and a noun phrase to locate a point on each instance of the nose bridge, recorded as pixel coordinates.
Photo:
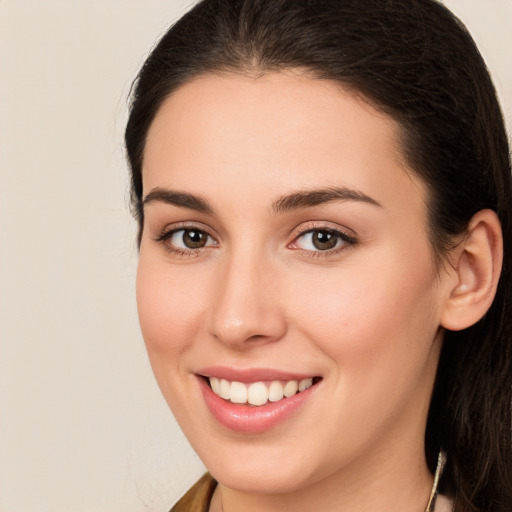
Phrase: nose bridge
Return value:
(246, 305)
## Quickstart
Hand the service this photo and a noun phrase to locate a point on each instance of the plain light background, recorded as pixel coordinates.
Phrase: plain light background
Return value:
(82, 424)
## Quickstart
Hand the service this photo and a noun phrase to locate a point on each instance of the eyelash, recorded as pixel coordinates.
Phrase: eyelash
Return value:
(166, 235)
(348, 241)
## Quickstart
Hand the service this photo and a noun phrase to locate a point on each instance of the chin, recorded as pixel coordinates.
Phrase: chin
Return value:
(266, 478)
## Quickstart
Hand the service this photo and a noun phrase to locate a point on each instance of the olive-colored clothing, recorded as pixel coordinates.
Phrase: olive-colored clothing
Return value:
(198, 497)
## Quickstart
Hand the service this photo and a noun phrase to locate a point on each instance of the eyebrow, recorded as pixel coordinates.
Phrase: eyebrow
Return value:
(180, 199)
(309, 198)
(286, 203)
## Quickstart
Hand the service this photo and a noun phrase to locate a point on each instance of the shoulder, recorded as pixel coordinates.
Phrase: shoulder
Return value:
(198, 497)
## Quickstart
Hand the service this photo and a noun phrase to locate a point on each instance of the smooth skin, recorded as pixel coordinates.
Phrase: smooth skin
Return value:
(232, 274)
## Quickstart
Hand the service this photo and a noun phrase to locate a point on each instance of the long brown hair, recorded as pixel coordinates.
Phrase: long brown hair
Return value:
(415, 61)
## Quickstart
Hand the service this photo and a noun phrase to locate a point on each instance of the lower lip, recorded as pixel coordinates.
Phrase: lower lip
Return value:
(249, 419)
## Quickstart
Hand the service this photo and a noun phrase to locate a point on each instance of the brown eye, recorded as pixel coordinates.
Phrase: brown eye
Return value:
(324, 240)
(189, 239)
(194, 239)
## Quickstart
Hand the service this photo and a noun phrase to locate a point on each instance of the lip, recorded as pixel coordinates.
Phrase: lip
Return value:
(251, 374)
(249, 419)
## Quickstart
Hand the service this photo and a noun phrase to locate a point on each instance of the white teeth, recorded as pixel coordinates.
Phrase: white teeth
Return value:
(224, 387)
(238, 393)
(290, 388)
(257, 393)
(305, 384)
(214, 383)
(275, 391)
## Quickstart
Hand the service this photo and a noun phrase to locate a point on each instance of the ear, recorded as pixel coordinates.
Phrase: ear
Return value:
(476, 264)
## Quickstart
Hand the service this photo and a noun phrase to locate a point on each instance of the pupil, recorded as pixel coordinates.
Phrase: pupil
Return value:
(194, 239)
(324, 240)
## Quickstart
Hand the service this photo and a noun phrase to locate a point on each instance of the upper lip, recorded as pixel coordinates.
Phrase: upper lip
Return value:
(248, 375)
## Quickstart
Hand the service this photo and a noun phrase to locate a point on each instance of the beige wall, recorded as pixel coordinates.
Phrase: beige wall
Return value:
(82, 424)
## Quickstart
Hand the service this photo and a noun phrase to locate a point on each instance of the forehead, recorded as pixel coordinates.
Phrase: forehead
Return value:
(279, 129)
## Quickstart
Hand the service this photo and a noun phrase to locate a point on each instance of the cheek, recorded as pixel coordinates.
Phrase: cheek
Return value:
(378, 332)
(369, 323)
(169, 309)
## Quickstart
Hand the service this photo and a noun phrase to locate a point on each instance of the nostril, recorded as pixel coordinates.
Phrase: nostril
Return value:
(257, 337)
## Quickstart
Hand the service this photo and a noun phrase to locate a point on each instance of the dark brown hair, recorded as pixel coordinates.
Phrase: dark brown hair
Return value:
(415, 61)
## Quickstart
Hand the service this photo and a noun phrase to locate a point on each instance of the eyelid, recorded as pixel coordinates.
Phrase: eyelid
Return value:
(177, 226)
(347, 236)
(166, 233)
(306, 227)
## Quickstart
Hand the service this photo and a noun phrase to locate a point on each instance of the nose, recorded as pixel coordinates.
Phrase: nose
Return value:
(246, 310)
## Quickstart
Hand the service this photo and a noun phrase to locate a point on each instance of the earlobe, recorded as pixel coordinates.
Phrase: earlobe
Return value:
(477, 265)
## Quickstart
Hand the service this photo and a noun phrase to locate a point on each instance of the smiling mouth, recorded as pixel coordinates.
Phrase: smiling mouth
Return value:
(257, 394)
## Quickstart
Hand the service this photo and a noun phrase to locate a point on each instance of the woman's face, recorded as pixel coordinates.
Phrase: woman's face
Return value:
(285, 244)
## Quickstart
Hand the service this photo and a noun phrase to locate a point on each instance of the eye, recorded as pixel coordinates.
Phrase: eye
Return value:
(322, 239)
(186, 239)
(190, 239)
